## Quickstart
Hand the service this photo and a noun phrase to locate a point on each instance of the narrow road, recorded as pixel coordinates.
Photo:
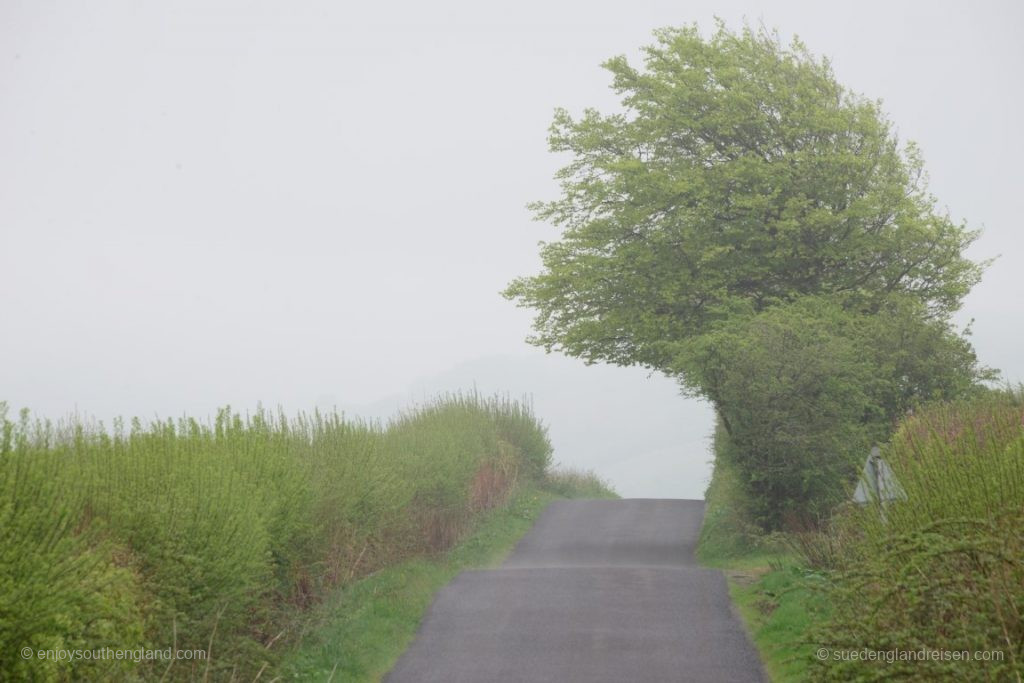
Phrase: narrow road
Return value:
(598, 590)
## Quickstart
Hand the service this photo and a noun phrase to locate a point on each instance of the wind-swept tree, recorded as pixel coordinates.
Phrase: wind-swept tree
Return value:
(751, 227)
(738, 175)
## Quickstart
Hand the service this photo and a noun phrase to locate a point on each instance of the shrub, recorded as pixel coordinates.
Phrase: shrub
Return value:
(728, 529)
(211, 535)
(62, 584)
(803, 389)
(943, 569)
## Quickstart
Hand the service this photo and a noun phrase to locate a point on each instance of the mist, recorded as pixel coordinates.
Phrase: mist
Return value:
(318, 204)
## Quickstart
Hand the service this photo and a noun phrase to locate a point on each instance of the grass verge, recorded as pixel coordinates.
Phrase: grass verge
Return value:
(359, 633)
(779, 601)
(780, 604)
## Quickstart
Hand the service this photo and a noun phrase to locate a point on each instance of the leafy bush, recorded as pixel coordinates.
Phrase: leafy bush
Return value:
(728, 530)
(62, 585)
(803, 389)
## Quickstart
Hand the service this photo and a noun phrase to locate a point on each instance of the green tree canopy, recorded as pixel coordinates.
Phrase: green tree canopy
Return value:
(740, 175)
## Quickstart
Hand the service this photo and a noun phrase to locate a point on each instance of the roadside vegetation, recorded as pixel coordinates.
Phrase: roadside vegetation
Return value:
(749, 226)
(944, 568)
(941, 570)
(780, 599)
(226, 536)
(359, 632)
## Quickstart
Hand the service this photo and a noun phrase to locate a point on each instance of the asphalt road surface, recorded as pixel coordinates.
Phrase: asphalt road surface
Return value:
(598, 590)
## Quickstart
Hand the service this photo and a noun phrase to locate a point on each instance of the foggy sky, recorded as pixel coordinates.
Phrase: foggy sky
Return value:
(207, 203)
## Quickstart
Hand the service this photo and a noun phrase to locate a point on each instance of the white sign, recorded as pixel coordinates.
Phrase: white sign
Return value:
(878, 482)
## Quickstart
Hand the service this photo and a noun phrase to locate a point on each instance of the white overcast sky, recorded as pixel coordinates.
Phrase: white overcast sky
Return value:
(303, 203)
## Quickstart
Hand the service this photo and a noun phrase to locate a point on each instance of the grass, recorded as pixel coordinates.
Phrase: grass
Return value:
(779, 602)
(359, 633)
(226, 535)
(575, 483)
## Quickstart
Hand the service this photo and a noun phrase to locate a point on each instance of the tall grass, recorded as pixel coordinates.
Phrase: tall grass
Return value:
(214, 535)
(943, 569)
(576, 483)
